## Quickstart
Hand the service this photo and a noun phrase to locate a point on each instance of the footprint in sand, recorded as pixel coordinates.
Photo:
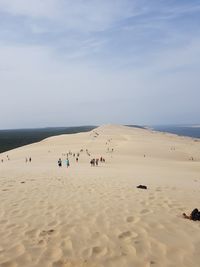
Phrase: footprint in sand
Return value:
(145, 211)
(124, 235)
(39, 237)
(132, 219)
(41, 242)
(127, 234)
(47, 233)
(99, 251)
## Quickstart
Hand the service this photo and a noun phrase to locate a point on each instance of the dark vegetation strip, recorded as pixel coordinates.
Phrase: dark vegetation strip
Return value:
(10, 139)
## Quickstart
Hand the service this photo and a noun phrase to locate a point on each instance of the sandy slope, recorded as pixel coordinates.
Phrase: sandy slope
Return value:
(95, 216)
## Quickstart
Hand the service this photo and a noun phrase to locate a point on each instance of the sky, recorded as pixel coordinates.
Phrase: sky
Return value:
(93, 62)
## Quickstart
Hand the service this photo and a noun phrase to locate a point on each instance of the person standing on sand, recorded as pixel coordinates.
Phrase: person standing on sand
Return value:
(60, 163)
(67, 162)
(92, 162)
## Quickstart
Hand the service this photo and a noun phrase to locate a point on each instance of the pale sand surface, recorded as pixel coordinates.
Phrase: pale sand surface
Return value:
(95, 216)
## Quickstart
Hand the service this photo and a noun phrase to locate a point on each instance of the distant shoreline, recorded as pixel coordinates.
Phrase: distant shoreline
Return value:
(14, 138)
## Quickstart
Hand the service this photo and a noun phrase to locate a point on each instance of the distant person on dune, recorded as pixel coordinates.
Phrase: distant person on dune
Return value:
(67, 163)
(92, 162)
(59, 163)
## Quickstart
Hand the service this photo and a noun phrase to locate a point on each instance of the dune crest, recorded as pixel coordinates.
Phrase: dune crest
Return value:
(85, 216)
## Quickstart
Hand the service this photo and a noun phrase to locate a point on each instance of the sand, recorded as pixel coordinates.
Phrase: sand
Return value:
(95, 216)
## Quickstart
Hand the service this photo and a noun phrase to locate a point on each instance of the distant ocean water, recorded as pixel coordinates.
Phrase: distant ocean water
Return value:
(190, 130)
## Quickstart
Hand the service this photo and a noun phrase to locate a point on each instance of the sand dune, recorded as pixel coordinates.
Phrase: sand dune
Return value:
(85, 216)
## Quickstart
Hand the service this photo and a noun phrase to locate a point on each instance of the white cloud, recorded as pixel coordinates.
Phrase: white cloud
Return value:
(178, 58)
(36, 8)
(56, 59)
(84, 15)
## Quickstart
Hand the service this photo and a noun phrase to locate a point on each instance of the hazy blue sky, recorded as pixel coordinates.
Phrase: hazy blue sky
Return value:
(77, 62)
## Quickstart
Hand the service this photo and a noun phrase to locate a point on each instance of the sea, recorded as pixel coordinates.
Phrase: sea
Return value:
(182, 130)
(10, 139)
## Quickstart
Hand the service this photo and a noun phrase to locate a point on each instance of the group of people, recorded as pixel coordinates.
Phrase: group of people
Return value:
(102, 160)
(60, 163)
(6, 157)
(66, 161)
(28, 159)
(95, 162)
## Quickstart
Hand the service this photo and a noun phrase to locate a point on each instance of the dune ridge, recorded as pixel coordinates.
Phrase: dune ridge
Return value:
(85, 216)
